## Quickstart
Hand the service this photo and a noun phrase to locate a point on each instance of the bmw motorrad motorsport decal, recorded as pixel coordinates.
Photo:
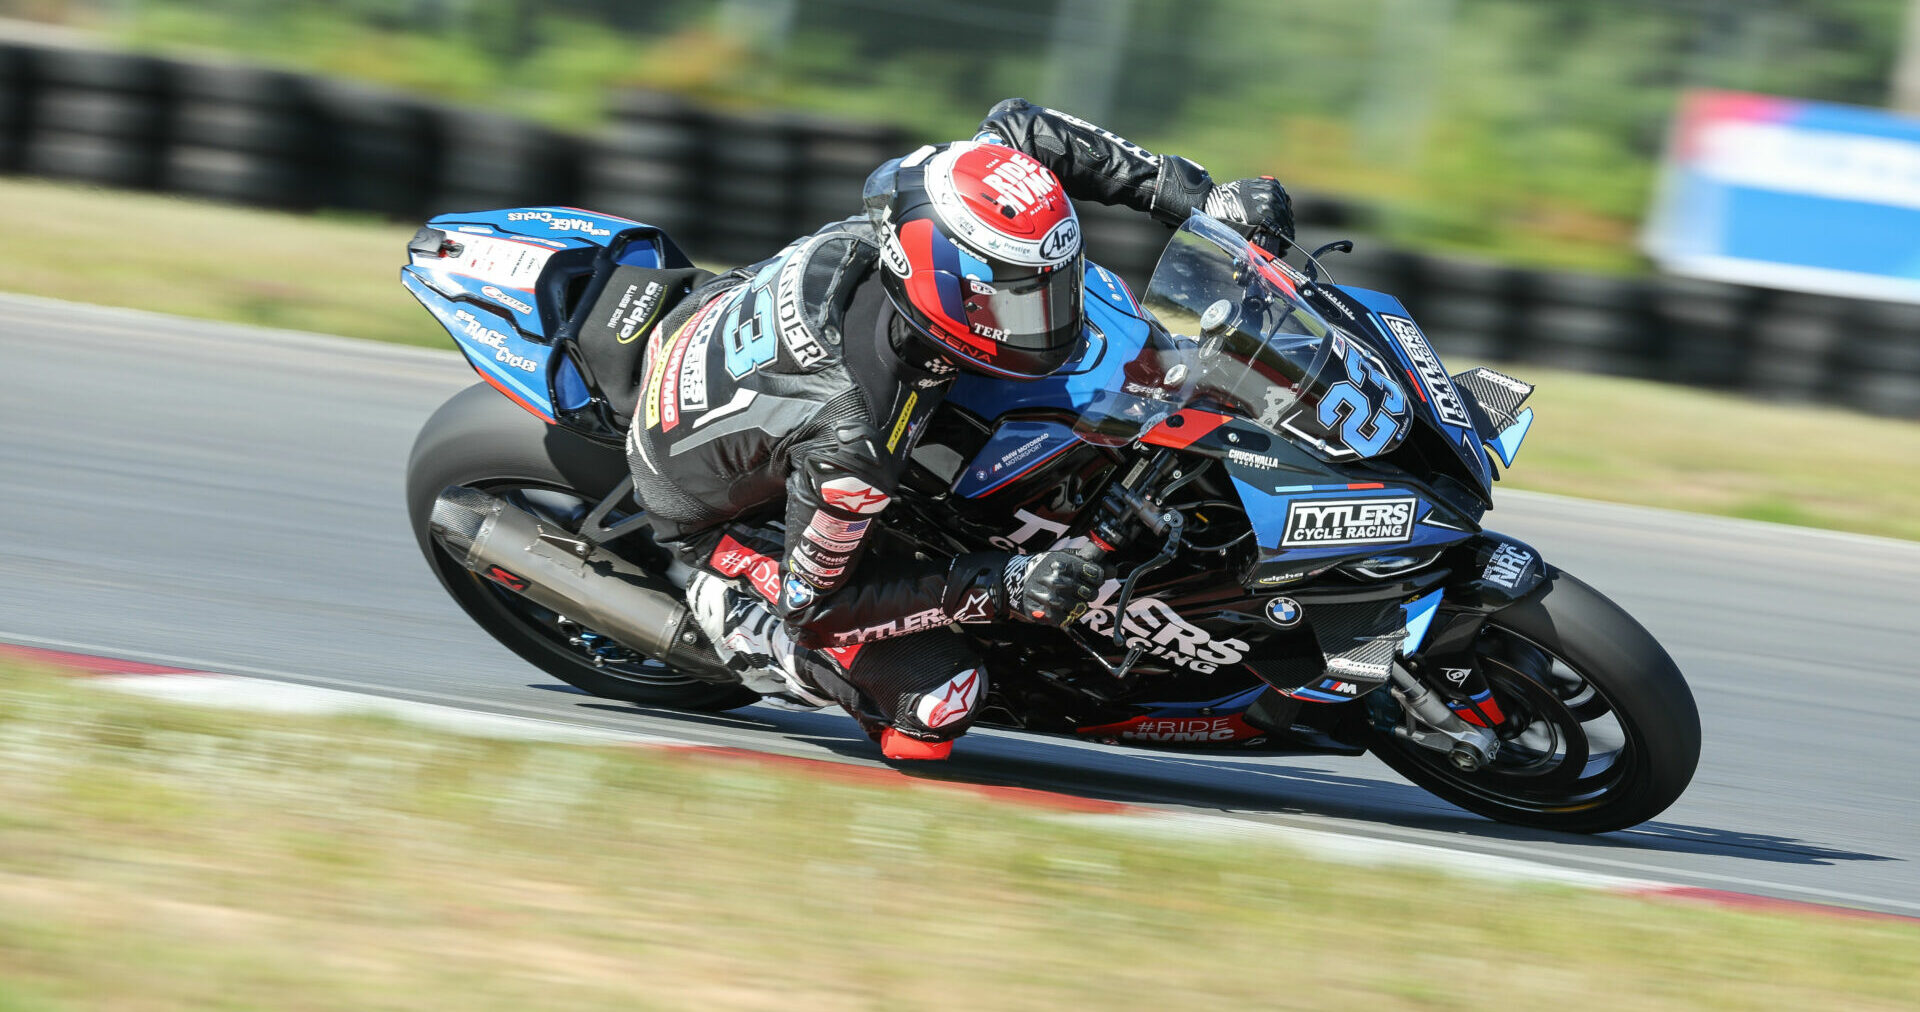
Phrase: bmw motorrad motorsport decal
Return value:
(1350, 522)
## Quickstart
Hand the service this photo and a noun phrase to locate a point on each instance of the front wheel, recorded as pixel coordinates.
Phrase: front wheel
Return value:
(481, 440)
(1600, 730)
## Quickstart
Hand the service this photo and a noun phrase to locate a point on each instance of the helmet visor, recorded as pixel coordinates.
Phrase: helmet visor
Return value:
(1029, 312)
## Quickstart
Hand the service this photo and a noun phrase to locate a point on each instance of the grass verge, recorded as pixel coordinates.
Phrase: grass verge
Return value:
(157, 857)
(1599, 437)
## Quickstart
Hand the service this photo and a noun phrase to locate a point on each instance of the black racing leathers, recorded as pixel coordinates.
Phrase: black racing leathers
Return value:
(794, 379)
(1095, 164)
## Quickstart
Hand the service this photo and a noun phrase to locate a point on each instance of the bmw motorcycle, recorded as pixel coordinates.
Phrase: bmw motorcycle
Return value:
(1288, 482)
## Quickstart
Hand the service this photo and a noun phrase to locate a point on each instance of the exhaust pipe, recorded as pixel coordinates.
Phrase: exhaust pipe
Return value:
(555, 569)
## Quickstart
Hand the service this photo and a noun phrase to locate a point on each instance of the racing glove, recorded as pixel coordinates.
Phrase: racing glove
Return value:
(1051, 588)
(1257, 208)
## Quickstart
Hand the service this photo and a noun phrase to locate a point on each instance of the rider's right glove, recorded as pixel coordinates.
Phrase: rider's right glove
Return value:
(1051, 588)
(1257, 208)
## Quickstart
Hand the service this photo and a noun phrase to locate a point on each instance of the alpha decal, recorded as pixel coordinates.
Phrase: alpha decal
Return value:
(1350, 522)
(1507, 564)
(1155, 627)
(853, 495)
(631, 317)
(1433, 375)
(955, 700)
(504, 299)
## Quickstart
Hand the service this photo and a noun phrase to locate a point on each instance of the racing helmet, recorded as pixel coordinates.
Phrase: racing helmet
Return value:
(981, 255)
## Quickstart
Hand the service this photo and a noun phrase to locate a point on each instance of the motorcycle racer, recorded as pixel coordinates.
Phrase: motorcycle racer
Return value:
(781, 400)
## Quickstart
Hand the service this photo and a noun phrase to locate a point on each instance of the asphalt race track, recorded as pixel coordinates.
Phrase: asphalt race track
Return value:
(230, 499)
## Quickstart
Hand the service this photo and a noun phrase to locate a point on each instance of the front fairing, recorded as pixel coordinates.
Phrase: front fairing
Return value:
(1236, 333)
(1336, 459)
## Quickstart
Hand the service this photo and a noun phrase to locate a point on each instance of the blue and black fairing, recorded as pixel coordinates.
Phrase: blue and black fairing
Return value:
(1047, 409)
(509, 285)
(1475, 412)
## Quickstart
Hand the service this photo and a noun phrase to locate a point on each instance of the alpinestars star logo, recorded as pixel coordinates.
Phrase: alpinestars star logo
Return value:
(854, 495)
(955, 702)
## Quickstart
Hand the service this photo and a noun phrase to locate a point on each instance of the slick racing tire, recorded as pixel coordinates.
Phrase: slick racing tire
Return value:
(1600, 731)
(481, 440)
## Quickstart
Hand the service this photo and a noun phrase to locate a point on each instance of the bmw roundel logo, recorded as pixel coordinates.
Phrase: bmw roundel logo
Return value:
(1283, 612)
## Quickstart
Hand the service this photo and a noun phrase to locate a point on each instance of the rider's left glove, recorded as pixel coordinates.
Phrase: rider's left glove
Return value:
(1052, 588)
(1257, 208)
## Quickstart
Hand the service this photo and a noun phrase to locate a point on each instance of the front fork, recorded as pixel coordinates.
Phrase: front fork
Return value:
(1430, 723)
(1445, 702)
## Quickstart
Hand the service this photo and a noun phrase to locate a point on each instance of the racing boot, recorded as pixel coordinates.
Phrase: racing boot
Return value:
(751, 641)
(913, 695)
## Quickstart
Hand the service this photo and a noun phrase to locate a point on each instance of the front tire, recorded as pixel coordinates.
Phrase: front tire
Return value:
(1601, 731)
(481, 440)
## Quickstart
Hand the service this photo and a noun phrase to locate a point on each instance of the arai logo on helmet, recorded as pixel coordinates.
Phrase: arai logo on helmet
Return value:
(1062, 242)
(895, 256)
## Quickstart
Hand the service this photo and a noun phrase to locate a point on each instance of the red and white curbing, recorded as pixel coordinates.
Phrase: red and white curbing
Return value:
(208, 688)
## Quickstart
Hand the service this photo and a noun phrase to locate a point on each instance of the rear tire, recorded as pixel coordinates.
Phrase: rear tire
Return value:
(1562, 664)
(480, 439)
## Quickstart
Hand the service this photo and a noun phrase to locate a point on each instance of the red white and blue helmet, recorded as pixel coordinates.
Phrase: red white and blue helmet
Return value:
(982, 255)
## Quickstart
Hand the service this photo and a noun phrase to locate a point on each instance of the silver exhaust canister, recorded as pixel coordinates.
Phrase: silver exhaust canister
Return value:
(560, 571)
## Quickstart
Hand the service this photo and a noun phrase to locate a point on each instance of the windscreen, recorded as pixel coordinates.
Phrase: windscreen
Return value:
(1235, 336)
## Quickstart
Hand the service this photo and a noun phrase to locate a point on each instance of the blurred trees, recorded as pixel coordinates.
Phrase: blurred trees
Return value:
(1520, 128)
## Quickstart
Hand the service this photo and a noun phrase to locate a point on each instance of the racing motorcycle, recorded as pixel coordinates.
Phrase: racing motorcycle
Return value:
(1287, 480)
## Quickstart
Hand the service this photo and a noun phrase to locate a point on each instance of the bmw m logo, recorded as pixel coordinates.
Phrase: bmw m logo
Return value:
(1283, 612)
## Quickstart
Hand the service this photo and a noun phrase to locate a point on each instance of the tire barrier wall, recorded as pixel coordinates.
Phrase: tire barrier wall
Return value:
(734, 186)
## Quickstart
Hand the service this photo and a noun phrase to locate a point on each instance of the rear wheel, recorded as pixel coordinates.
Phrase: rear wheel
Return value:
(1600, 730)
(481, 440)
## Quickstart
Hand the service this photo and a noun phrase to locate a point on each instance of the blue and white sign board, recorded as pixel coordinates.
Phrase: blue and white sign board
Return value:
(1790, 194)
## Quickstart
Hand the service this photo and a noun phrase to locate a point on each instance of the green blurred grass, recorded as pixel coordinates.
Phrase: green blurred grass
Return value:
(1599, 437)
(155, 857)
